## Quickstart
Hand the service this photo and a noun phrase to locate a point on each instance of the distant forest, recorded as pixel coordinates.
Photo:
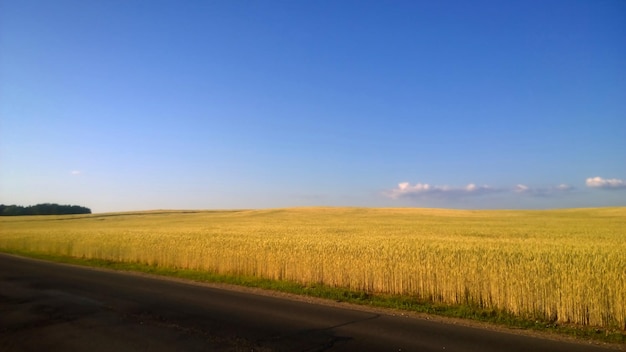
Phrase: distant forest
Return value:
(42, 209)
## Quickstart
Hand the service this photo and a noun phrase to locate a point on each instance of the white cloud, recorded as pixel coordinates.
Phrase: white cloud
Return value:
(75, 172)
(599, 182)
(425, 190)
(406, 190)
(521, 188)
(564, 187)
(542, 191)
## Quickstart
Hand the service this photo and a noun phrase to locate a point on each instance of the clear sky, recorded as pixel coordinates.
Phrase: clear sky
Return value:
(134, 104)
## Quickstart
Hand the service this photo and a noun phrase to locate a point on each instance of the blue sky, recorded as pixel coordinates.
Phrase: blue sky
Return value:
(133, 105)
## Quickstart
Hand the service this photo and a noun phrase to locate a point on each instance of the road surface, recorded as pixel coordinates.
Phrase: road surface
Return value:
(56, 307)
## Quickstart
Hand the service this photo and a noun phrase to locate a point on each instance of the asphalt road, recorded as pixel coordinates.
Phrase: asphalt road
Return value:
(56, 307)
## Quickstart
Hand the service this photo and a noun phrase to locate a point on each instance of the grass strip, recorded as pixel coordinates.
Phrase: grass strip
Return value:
(405, 303)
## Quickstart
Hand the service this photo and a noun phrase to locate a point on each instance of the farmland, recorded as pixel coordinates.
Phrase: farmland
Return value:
(563, 266)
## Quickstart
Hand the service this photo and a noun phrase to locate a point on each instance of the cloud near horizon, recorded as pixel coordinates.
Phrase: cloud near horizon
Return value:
(425, 190)
(599, 182)
(406, 190)
(543, 191)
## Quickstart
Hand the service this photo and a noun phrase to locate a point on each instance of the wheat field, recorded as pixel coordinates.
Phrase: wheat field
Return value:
(566, 266)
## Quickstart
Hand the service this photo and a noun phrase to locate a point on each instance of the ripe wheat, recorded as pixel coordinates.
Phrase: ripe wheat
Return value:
(559, 265)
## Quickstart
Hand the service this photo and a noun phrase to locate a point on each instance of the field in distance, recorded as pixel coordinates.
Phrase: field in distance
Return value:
(562, 266)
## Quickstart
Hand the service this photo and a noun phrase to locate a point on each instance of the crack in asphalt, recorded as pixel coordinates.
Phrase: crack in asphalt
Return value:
(333, 339)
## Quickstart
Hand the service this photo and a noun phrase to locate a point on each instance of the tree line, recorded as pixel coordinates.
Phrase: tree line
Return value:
(42, 209)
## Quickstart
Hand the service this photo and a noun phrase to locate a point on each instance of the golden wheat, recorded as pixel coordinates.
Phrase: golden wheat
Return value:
(560, 265)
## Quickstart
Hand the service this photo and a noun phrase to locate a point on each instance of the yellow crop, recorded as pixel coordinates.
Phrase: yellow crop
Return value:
(561, 265)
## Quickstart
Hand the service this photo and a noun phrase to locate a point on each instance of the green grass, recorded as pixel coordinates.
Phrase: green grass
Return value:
(398, 302)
